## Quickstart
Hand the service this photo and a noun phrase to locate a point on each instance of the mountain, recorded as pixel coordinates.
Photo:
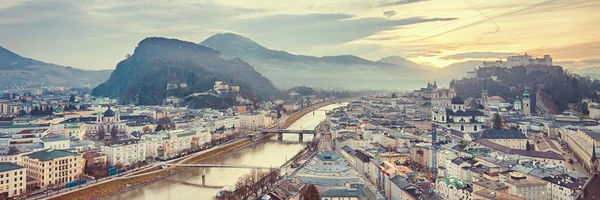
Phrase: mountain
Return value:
(400, 61)
(16, 70)
(143, 77)
(289, 70)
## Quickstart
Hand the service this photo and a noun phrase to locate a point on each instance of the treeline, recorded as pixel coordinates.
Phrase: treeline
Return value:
(250, 185)
(49, 110)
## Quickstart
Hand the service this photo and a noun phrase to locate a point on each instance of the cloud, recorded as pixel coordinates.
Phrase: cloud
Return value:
(396, 3)
(300, 31)
(583, 66)
(477, 55)
(389, 13)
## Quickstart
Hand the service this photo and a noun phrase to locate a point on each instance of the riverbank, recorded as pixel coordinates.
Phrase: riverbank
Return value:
(297, 115)
(119, 185)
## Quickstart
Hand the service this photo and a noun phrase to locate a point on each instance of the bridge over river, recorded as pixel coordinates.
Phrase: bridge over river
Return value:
(268, 152)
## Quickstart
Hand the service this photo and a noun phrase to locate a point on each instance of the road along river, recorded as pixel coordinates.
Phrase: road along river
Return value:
(268, 152)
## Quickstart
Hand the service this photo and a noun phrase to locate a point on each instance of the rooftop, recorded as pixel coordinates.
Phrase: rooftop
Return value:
(6, 166)
(50, 154)
(502, 134)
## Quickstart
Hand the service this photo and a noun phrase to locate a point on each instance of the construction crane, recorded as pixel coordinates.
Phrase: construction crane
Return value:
(434, 149)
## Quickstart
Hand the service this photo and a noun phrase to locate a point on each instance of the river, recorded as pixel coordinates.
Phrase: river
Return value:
(268, 152)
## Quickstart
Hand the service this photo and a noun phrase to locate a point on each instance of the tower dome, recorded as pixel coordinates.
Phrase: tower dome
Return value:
(109, 113)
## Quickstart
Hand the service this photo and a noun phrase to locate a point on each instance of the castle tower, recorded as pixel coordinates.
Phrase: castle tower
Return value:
(526, 103)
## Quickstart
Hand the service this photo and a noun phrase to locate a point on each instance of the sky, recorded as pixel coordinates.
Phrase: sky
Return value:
(97, 34)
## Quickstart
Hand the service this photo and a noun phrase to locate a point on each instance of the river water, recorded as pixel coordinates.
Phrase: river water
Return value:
(269, 152)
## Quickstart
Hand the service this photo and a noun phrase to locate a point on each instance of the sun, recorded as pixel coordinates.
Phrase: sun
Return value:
(433, 61)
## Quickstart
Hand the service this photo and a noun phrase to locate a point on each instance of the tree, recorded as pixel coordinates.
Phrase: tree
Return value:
(497, 121)
(113, 133)
(119, 165)
(72, 98)
(394, 95)
(310, 192)
(146, 129)
(101, 133)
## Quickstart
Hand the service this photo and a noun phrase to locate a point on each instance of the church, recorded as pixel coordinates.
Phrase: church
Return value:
(458, 118)
(107, 122)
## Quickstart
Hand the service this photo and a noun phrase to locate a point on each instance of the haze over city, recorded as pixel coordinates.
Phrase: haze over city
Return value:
(299, 100)
(97, 34)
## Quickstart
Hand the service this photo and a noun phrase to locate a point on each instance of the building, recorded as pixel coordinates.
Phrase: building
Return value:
(107, 122)
(52, 167)
(13, 180)
(125, 152)
(582, 142)
(487, 194)
(350, 192)
(458, 118)
(56, 142)
(452, 188)
(169, 143)
(441, 98)
(520, 60)
(563, 187)
(513, 139)
(527, 108)
(363, 161)
(75, 130)
(254, 120)
(526, 186)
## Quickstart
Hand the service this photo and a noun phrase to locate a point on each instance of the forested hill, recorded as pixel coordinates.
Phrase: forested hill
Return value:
(552, 89)
(18, 71)
(143, 77)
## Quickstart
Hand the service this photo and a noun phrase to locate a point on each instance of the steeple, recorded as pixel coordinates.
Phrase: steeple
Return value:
(484, 86)
(435, 84)
(594, 159)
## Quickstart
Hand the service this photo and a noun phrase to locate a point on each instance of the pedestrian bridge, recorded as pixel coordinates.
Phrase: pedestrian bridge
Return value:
(218, 166)
(280, 132)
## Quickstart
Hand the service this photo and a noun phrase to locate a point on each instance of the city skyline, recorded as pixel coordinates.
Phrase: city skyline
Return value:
(98, 34)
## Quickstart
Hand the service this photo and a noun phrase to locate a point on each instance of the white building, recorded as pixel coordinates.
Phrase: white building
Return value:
(125, 152)
(520, 60)
(107, 121)
(452, 188)
(169, 143)
(56, 142)
(563, 187)
(254, 120)
(458, 118)
(13, 179)
(525, 186)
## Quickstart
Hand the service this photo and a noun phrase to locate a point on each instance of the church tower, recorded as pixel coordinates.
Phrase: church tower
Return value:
(517, 106)
(526, 103)
(484, 94)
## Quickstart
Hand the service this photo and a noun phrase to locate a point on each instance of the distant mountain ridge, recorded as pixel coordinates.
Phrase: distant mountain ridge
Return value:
(400, 61)
(142, 78)
(288, 70)
(16, 70)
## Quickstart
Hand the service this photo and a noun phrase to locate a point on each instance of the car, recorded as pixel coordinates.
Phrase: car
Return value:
(570, 161)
